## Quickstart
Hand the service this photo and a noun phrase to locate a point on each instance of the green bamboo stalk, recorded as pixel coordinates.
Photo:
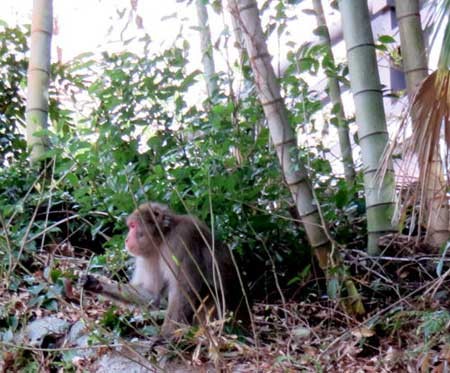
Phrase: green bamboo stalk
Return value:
(370, 118)
(206, 48)
(283, 136)
(335, 97)
(38, 77)
(412, 43)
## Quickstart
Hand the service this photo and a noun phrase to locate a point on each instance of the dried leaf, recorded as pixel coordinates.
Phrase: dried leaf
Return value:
(363, 332)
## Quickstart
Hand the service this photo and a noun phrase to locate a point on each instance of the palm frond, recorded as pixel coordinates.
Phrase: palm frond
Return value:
(427, 149)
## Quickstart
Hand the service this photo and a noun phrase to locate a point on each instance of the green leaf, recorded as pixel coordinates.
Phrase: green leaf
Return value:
(175, 260)
(36, 289)
(51, 305)
(321, 31)
(56, 274)
(72, 178)
(333, 287)
(440, 264)
(386, 39)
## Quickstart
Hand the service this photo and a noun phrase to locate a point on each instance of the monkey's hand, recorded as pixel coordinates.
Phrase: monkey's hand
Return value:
(124, 293)
(90, 283)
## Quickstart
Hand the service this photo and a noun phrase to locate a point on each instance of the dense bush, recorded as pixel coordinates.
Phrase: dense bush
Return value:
(125, 128)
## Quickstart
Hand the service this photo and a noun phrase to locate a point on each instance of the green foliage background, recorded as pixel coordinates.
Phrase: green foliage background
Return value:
(124, 130)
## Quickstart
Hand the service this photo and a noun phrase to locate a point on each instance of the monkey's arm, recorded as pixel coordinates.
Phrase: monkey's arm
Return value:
(125, 293)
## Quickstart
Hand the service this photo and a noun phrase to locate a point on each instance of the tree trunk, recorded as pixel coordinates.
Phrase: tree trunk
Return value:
(370, 118)
(335, 98)
(415, 68)
(38, 77)
(206, 48)
(412, 43)
(246, 15)
(238, 36)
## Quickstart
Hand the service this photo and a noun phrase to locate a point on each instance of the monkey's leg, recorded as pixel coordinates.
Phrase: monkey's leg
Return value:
(120, 292)
(180, 309)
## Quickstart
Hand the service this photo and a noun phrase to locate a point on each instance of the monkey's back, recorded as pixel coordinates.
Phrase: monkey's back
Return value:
(209, 263)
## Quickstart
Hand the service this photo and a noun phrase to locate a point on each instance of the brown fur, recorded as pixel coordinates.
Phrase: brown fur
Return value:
(176, 255)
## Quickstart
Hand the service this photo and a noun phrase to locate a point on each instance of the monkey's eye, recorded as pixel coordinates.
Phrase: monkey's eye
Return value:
(132, 224)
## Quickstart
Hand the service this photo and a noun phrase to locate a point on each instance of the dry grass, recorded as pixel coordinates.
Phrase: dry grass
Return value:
(405, 329)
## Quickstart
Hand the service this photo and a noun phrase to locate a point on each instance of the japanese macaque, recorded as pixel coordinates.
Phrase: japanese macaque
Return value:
(176, 256)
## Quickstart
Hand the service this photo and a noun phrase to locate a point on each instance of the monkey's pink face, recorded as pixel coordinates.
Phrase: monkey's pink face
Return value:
(131, 242)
